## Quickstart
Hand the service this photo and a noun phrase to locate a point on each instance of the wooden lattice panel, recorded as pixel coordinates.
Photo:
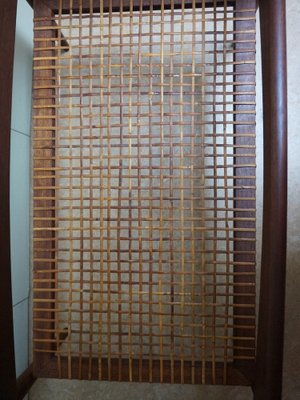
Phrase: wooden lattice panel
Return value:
(144, 192)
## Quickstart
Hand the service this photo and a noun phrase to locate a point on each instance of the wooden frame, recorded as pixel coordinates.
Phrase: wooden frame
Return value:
(268, 368)
(245, 250)
(46, 77)
(268, 382)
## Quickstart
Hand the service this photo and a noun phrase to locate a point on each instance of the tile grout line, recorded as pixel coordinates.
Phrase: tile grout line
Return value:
(21, 301)
(21, 133)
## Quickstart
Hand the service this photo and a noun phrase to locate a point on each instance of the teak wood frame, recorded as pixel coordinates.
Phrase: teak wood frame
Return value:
(267, 371)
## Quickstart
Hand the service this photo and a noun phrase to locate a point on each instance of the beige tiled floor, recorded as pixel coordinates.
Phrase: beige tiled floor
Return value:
(46, 389)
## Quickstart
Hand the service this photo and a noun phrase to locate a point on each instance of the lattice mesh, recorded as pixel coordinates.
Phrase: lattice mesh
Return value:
(138, 176)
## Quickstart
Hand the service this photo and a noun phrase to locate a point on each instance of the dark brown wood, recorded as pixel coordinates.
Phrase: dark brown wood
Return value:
(244, 245)
(234, 377)
(63, 41)
(53, 4)
(44, 198)
(24, 382)
(268, 384)
(7, 353)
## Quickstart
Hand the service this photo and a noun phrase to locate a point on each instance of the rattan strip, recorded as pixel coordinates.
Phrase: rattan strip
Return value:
(143, 154)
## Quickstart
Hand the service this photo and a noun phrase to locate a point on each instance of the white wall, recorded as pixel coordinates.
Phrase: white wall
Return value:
(20, 180)
(292, 321)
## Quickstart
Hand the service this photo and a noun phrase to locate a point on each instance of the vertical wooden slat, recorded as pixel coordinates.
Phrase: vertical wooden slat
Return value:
(130, 173)
(81, 184)
(92, 281)
(161, 141)
(215, 193)
(71, 210)
(150, 212)
(44, 199)
(7, 353)
(141, 306)
(109, 173)
(101, 119)
(244, 182)
(268, 383)
(120, 184)
(226, 203)
(202, 200)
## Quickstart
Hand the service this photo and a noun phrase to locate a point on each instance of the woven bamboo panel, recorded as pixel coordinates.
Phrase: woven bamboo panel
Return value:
(144, 193)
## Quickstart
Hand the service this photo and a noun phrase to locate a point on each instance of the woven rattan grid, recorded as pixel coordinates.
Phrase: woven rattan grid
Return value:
(144, 191)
